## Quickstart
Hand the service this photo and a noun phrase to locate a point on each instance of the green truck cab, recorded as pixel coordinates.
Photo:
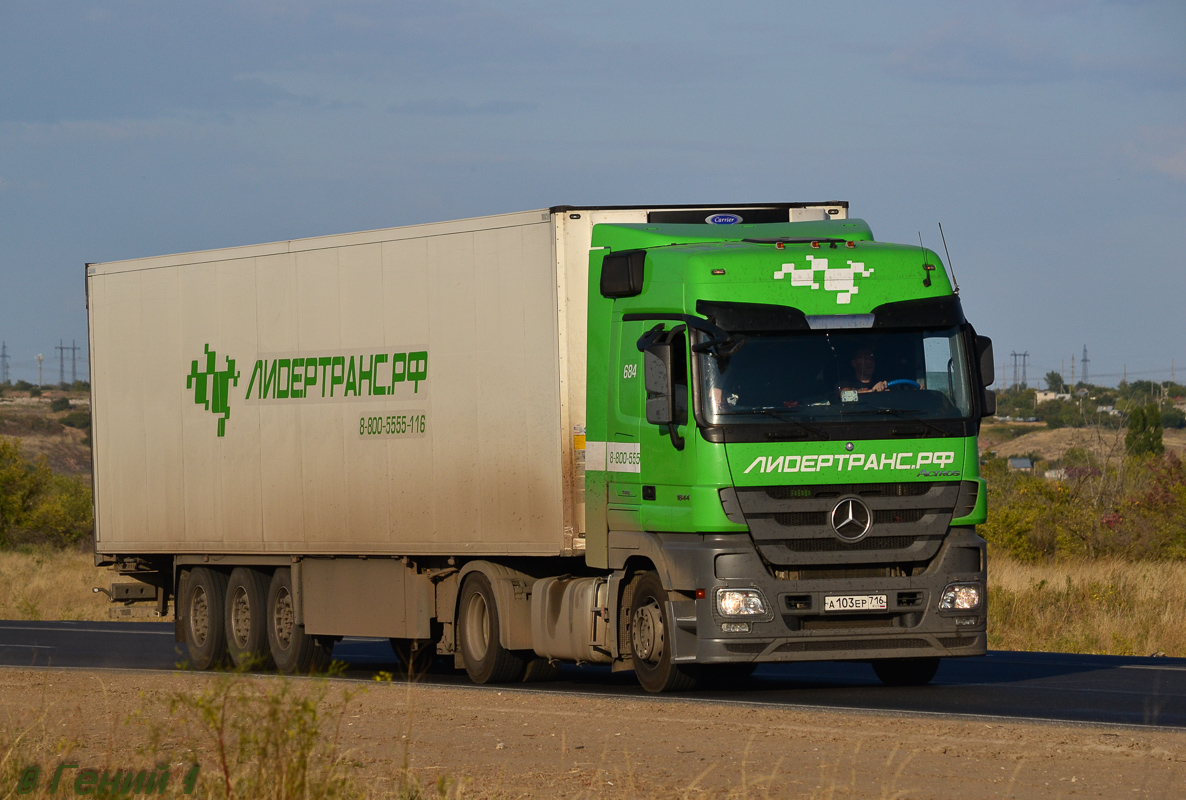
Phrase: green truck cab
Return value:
(781, 460)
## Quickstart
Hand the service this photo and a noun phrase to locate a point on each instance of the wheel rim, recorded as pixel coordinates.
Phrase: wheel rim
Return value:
(283, 618)
(646, 632)
(477, 626)
(241, 618)
(199, 615)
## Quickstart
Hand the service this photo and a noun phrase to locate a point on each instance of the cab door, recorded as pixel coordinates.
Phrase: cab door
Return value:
(626, 410)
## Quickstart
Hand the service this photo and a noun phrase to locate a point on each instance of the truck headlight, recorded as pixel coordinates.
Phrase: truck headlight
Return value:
(960, 597)
(740, 603)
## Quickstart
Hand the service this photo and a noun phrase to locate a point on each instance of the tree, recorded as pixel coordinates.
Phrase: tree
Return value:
(1054, 382)
(1144, 431)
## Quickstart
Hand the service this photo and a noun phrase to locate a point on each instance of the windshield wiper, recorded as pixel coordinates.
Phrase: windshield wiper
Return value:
(779, 415)
(903, 413)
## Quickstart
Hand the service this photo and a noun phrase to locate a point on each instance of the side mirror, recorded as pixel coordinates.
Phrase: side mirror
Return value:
(660, 386)
(988, 372)
(656, 366)
(990, 403)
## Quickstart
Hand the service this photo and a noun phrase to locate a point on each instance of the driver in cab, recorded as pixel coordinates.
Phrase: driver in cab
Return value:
(864, 364)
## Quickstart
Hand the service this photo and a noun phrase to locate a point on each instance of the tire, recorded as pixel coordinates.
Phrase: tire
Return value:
(486, 660)
(294, 651)
(647, 637)
(205, 632)
(246, 619)
(416, 656)
(906, 671)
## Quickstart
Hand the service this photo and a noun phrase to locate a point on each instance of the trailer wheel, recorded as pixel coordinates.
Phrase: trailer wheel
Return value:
(246, 619)
(486, 660)
(906, 671)
(650, 648)
(204, 603)
(294, 651)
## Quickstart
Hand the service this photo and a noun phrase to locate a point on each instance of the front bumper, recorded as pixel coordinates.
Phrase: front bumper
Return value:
(796, 627)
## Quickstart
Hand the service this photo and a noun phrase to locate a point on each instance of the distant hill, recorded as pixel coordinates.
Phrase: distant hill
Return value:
(63, 436)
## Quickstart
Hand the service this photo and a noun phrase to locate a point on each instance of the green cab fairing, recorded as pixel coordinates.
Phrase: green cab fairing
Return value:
(687, 265)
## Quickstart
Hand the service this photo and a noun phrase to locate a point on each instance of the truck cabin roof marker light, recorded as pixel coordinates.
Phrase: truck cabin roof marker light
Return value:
(780, 246)
(718, 272)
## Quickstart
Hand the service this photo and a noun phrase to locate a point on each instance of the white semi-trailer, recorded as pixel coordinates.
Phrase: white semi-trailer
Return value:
(435, 434)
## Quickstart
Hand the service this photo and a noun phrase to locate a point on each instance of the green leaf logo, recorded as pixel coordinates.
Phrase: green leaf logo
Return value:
(211, 386)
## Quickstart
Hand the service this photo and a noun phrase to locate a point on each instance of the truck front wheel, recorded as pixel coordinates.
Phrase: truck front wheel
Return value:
(246, 618)
(295, 651)
(906, 671)
(645, 602)
(486, 660)
(204, 603)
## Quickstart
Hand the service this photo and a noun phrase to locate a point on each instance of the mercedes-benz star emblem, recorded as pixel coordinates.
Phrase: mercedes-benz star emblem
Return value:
(851, 519)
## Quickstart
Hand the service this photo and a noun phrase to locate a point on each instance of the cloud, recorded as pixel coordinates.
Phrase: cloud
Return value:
(1160, 149)
(452, 107)
(989, 53)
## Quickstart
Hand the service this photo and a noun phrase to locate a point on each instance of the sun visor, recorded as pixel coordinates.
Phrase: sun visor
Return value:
(928, 312)
(749, 317)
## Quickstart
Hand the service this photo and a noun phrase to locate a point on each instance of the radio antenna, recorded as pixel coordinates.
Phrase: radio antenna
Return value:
(954, 282)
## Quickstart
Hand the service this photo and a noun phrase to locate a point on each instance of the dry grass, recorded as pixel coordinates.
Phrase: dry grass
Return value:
(1105, 606)
(47, 583)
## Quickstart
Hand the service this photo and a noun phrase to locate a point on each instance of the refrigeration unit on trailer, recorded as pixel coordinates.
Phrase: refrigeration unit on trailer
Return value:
(677, 440)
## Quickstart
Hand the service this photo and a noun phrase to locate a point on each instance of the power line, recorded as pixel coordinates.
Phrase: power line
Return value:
(3, 362)
(61, 348)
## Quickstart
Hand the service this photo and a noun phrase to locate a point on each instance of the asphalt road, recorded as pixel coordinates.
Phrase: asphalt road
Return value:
(1050, 686)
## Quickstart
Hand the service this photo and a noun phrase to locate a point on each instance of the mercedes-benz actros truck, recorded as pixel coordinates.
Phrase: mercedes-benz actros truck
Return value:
(678, 440)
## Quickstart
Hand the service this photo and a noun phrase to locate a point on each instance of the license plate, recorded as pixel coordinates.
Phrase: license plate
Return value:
(855, 602)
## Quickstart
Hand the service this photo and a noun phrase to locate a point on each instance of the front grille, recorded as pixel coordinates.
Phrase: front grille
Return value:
(848, 644)
(831, 544)
(954, 642)
(833, 573)
(799, 519)
(848, 621)
(859, 489)
(882, 516)
(745, 647)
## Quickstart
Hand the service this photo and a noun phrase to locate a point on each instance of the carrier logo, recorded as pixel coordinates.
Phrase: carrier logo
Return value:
(211, 386)
(310, 377)
(851, 519)
(841, 280)
(847, 462)
(723, 219)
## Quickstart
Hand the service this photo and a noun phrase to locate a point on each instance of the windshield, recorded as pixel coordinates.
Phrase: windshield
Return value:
(839, 376)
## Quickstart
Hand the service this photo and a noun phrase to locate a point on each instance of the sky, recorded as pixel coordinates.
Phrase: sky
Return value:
(1047, 136)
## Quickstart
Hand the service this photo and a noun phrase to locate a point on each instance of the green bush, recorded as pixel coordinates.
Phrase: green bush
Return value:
(1173, 418)
(1134, 509)
(59, 404)
(36, 504)
(1144, 432)
(77, 419)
